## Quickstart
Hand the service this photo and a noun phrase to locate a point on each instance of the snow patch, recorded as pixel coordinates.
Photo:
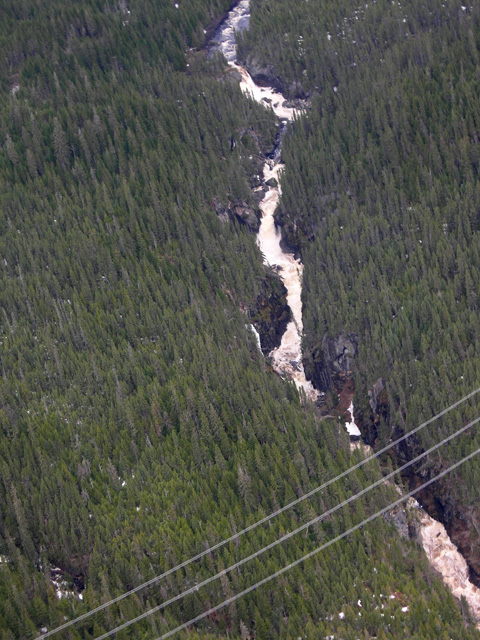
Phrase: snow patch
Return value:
(61, 586)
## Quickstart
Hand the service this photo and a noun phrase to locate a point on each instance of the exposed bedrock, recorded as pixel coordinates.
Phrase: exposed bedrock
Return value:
(328, 364)
(271, 313)
(264, 75)
(241, 211)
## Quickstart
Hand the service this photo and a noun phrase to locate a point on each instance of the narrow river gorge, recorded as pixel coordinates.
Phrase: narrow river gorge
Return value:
(286, 359)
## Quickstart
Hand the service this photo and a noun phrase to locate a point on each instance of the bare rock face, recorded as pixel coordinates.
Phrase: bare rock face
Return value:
(460, 522)
(241, 211)
(438, 500)
(263, 74)
(246, 215)
(329, 363)
(399, 520)
(378, 400)
(375, 393)
(271, 313)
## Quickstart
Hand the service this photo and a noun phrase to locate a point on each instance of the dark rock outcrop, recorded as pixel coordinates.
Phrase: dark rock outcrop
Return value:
(240, 211)
(398, 518)
(461, 521)
(258, 194)
(379, 410)
(271, 182)
(271, 313)
(377, 396)
(329, 363)
(246, 215)
(264, 75)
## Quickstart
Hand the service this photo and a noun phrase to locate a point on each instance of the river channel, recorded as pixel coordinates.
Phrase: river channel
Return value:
(287, 358)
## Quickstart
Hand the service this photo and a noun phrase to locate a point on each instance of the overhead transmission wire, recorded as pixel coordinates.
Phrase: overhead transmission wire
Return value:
(307, 556)
(287, 536)
(256, 524)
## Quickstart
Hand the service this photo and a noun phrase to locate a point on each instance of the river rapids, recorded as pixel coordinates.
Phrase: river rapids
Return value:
(287, 358)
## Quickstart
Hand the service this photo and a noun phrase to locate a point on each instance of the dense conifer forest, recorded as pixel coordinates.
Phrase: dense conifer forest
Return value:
(139, 422)
(382, 198)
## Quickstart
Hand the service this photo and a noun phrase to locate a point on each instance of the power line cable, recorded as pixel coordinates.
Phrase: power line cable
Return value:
(278, 573)
(254, 525)
(287, 536)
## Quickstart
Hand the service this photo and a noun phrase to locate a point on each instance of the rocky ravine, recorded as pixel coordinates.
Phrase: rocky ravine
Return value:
(330, 364)
(446, 559)
(447, 529)
(286, 358)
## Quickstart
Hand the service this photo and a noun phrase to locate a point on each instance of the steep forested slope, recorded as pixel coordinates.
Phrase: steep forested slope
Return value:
(139, 422)
(382, 197)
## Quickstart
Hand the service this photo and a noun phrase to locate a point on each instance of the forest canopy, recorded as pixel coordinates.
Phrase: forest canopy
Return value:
(139, 422)
(381, 197)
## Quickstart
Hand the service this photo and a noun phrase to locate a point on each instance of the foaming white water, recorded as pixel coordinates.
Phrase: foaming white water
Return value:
(265, 95)
(448, 561)
(256, 334)
(238, 19)
(287, 358)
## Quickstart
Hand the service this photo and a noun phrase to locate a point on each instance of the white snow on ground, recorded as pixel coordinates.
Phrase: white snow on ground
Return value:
(61, 587)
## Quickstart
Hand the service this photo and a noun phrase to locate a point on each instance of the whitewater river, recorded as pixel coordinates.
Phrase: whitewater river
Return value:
(287, 358)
